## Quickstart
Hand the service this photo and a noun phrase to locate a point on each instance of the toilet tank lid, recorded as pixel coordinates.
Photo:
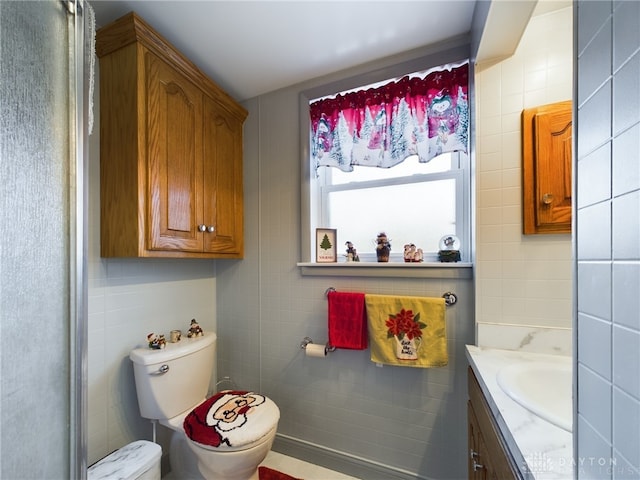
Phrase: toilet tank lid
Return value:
(130, 461)
(186, 346)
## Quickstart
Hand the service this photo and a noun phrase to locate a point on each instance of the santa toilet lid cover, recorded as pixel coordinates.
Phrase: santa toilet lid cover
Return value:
(232, 418)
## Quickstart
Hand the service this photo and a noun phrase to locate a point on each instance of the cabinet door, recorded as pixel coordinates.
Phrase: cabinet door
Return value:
(553, 162)
(492, 454)
(547, 165)
(174, 129)
(223, 196)
(476, 469)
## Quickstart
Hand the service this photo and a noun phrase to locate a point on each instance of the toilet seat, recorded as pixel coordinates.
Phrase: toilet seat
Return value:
(231, 420)
(227, 449)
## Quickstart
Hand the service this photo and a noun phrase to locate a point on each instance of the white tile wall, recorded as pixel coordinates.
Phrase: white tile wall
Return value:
(523, 283)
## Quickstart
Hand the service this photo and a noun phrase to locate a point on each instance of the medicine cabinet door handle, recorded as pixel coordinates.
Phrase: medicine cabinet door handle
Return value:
(475, 465)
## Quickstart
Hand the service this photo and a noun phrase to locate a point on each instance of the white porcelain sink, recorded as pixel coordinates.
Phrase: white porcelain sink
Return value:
(543, 388)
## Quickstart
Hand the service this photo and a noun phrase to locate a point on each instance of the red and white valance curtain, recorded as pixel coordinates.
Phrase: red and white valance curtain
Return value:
(381, 127)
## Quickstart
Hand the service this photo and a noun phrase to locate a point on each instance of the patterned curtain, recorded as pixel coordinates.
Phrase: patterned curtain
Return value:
(381, 127)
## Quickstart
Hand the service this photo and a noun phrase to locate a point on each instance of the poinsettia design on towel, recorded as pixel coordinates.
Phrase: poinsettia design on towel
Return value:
(406, 330)
(405, 323)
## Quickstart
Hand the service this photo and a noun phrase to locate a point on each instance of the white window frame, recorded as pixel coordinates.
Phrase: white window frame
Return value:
(454, 51)
(458, 171)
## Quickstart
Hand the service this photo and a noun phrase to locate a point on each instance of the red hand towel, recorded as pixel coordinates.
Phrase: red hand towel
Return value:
(347, 320)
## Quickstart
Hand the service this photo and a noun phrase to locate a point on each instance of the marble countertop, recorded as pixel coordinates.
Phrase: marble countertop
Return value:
(541, 450)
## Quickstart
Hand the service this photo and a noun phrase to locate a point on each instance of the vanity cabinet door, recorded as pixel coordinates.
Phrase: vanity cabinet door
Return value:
(174, 131)
(477, 470)
(490, 458)
(547, 166)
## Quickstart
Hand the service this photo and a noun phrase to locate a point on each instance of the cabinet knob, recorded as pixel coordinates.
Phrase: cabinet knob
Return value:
(211, 229)
(202, 228)
(547, 198)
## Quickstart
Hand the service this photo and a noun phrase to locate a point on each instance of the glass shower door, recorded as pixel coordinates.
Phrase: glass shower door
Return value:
(42, 285)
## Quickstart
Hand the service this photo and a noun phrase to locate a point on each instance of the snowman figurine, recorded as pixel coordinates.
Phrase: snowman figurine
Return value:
(156, 342)
(194, 330)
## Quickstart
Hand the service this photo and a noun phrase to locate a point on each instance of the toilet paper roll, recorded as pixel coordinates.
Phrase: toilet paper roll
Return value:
(314, 350)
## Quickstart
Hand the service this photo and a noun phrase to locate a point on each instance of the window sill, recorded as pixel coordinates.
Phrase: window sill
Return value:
(459, 270)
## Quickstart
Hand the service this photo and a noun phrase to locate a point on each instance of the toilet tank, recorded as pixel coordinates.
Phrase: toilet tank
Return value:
(139, 460)
(174, 379)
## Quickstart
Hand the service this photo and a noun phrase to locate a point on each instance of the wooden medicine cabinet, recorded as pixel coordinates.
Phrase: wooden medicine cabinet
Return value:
(170, 151)
(546, 168)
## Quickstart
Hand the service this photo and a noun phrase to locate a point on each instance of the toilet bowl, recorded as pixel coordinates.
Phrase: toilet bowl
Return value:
(232, 464)
(223, 437)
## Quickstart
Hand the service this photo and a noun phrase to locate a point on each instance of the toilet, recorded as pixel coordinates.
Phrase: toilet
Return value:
(225, 436)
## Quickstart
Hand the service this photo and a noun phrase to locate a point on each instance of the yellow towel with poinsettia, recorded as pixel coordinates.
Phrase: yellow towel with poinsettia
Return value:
(407, 331)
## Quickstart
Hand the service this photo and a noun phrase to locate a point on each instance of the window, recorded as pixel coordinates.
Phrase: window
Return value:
(413, 203)
(418, 197)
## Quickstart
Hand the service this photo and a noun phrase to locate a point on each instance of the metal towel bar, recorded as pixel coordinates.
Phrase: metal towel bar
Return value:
(450, 298)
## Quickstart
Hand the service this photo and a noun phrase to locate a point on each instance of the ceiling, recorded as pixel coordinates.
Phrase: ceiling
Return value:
(254, 47)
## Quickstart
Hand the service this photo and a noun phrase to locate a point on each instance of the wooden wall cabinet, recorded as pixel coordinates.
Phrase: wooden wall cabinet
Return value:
(488, 456)
(546, 168)
(170, 151)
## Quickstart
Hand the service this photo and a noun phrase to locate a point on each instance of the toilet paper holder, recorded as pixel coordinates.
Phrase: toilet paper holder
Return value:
(307, 340)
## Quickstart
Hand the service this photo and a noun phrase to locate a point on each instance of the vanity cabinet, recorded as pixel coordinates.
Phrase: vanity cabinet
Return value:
(488, 457)
(170, 151)
(546, 168)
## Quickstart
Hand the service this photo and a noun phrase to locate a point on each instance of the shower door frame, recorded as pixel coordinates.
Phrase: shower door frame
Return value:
(81, 25)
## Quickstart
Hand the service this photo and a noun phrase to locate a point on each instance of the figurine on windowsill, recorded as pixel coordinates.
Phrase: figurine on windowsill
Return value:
(156, 342)
(352, 254)
(412, 254)
(194, 329)
(449, 249)
(383, 247)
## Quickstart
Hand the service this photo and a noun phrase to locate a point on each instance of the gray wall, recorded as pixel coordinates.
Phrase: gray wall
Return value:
(608, 239)
(340, 411)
